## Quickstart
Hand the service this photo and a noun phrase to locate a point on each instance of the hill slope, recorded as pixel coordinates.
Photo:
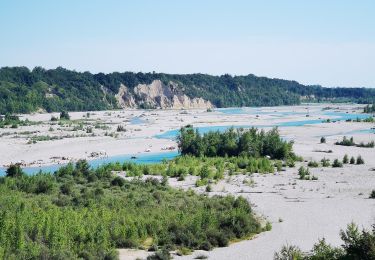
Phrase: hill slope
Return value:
(23, 91)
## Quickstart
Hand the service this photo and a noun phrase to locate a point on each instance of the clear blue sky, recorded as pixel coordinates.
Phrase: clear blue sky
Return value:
(327, 42)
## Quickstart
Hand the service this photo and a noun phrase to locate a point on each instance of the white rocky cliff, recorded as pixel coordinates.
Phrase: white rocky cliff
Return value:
(159, 95)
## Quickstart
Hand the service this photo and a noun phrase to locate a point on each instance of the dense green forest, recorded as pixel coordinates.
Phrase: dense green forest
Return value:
(240, 142)
(23, 90)
(79, 212)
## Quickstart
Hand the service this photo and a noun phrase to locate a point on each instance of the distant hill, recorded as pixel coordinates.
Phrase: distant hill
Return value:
(24, 91)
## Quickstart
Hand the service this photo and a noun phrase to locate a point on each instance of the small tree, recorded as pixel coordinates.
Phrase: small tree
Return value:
(121, 128)
(352, 160)
(64, 115)
(313, 164)
(322, 140)
(336, 163)
(289, 253)
(303, 173)
(345, 160)
(325, 162)
(14, 171)
(360, 160)
(205, 172)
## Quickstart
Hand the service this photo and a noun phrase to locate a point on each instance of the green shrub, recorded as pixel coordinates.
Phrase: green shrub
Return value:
(64, 115)
(352, 160)
(368, 145)
(303, 173)
(160, 255)
(291, 163)
(346, 142)
(289, 253)
(278, 165)
(325, 162)
(120, 128)
(118, 181)
(268, 226)
(205, 172)
(313, 164)
(357, 245)
(360, 160)
(336, 163)
(345, 159)
(183, 251)
(14, 170)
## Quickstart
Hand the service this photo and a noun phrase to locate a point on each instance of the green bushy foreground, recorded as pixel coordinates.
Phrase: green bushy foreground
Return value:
(83, 213)
(357, 245)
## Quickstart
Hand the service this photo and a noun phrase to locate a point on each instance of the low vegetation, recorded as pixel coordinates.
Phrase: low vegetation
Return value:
(208, 169)
(13, 121)
(350, 142)
(79, 212)
(356, 245)
(313, 164)
(325, 162)
(337, 163)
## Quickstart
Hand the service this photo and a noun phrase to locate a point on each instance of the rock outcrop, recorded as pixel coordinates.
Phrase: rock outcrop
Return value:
(124, 98)
(158, 95)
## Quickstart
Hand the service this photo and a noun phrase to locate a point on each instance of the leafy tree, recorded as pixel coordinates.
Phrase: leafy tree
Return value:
(357, 245)
(250, 142)
(336, 163)
(64, 115)
(360, 160)
(352, 160)
(345, 159)
(14, 170)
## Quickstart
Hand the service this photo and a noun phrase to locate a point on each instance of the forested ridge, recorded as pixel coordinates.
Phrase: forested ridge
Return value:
(23, 90)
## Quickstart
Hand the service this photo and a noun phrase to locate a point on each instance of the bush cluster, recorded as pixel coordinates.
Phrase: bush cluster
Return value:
(232, 142)
(79, 212)
(357, 245)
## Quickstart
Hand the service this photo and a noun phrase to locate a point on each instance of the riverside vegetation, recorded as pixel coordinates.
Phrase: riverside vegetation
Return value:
(350, 142)
(79, 212)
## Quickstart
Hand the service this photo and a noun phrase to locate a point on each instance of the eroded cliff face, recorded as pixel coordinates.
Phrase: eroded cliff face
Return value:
(158, 95)
(124, 98)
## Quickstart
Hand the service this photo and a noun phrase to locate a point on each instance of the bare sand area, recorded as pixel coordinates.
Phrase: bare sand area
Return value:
(300, 211)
